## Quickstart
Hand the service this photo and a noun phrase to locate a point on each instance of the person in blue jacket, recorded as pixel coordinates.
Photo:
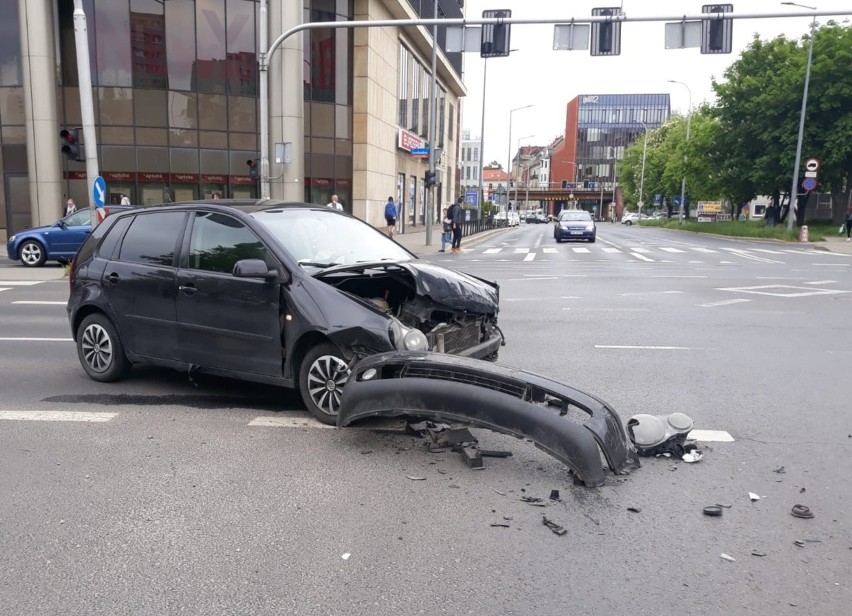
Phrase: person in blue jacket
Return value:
(390, 215)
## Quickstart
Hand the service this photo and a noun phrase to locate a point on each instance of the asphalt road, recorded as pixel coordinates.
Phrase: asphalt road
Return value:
(190, 499)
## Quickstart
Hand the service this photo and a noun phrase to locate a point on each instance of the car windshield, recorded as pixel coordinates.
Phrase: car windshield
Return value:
(574, 217)
(319, 239)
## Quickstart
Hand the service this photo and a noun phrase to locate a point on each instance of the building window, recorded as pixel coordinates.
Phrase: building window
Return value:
(414, 124)
(10, 45)
(404, 62)
(442, 105)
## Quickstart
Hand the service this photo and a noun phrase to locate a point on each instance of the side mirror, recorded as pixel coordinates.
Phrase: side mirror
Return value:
(254, 268)
(60, 223)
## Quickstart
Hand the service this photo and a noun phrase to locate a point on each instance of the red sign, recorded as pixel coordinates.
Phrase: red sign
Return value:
(410, 141)
(147, 176)
(184, 178)
(75, 175)
(119, 176)
(214, 179)
(322, 182)
(242, 180)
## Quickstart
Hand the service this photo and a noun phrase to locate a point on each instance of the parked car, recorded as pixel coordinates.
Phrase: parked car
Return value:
(283, 293)
(57, 242)
(632, 217)
(514, 219)
(574, 225)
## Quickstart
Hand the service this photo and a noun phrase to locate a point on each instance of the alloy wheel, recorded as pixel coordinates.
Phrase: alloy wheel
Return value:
(31, 253)
(97, 348)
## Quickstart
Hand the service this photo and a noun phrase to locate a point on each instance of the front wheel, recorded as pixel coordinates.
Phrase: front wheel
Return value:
(32, 254)
(322, 375)
(100, 350)
(628, 222)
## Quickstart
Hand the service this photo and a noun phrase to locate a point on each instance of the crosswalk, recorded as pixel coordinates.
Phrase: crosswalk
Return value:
(8, 285)
(646, 253)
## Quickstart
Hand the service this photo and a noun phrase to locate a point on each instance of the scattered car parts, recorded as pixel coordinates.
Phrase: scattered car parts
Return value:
(660, 434)
(507, 400)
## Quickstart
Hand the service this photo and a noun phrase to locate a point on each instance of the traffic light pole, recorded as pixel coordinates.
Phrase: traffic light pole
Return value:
(87, 108)
(433, 120)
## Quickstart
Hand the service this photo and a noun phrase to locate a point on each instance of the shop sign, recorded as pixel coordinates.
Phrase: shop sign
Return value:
(409, 141)
(214, 179)
(147, 176)
(184, 178)
(242, 180)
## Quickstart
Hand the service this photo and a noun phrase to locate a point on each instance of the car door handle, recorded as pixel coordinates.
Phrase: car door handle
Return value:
(113, 278)
(187, 289)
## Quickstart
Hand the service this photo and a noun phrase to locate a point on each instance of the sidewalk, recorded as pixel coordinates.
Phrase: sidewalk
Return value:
(834, 243)
(415, 239)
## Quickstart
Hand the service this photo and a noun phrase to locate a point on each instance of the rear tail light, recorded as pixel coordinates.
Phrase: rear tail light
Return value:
(71, 275)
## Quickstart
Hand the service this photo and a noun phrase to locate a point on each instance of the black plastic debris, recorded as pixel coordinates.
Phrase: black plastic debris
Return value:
(553, 526)
(500, 525)
(554, 495)
(780, 470)
(799, 543)
(801, 511)
(414, 478)
(534, 501)
(756, 553)
(712, 510)
(634, 509)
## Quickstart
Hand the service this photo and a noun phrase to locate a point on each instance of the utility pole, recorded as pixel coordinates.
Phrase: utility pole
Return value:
(87, 108)
(433, 116)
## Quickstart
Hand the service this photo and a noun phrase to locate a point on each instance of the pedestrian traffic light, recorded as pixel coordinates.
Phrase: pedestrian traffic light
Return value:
(564, 183)
(495, 37)
(70, 138)
(252, 165)
(606, 35)
(430, 179)
(716, 34)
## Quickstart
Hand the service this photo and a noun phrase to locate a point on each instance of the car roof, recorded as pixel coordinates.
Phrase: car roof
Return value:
(247, 206)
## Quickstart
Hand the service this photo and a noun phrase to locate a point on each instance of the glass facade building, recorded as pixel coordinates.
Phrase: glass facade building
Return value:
(175, 88)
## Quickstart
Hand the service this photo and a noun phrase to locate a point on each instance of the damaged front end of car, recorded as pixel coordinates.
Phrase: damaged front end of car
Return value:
(571, 425)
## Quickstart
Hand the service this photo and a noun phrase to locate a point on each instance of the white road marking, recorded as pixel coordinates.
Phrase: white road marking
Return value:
(816, 264)
(675, 276)
(38, 303)
(642, 257)
(696, 262)
(530, 256)
(5, 289)
(651, 293)
(643, 348)
(767, 251)
(643, 251)
(610, 250)
(821, 282)
(667, 249)
(746, 255)
(56, 416)
(551, 251)
(704, 250)
(783, 290)
(710, 436)
(726, 302)
(533, 279)
(726, 263)
(19, 283)
(492, 251)
(519, 251)
(538, 241)
(581, 250)
(10, 339)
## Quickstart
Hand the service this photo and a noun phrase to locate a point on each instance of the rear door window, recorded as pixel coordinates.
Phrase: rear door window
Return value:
(107, 248)
(153, 238)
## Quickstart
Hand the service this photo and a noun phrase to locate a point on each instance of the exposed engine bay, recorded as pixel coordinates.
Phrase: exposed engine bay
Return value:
(409, 295)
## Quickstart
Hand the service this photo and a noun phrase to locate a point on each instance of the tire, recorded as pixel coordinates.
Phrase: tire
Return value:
(100, 350)
(592, 240)
(32, 254)
(322, 375)
(558, 240)
(628, 223)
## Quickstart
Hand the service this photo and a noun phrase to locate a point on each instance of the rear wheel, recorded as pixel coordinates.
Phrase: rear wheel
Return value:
(628, 222)
(322, 375)
(32, 254)
(100, 350)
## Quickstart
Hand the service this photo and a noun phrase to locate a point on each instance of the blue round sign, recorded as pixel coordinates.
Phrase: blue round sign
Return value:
(809, 183)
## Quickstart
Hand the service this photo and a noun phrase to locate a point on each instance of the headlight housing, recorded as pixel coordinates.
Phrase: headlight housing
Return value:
(12, 239)
(407, 339)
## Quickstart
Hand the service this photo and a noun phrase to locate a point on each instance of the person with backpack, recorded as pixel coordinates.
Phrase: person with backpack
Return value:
(447, 231)
(456, 215)
(390, 215)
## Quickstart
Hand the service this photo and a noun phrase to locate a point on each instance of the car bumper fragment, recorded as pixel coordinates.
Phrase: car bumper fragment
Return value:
(516, 402)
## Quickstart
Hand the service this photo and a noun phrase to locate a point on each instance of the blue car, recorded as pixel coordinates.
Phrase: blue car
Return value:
(58, 242)
(574, 225)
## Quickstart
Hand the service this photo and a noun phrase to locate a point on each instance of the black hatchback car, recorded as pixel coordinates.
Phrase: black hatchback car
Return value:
(282, 293)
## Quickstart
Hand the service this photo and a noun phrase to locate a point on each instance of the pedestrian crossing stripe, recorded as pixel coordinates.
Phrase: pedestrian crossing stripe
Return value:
(581, 250)
(668, 249)
(519, 251)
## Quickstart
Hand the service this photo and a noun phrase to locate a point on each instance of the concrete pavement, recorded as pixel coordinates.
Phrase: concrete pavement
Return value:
(415, 240)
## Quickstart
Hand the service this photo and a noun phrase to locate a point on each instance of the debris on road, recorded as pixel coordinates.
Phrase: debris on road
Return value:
(712, 510)
(801, 511)
(753, 496)
(756, 553)
(728, 558)
(345, 556)
(553, 526)
(724, 505)
(415, 478)
(594, 521)
(780, 470)
(534, 501)
(692, 456)
(500, 493)
(660, 434)
(799, 543)
(554, 495)
(634, 509)
(500, 525)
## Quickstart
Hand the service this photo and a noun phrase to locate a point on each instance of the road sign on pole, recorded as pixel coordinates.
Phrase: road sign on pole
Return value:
(809, 184)
(99, 191)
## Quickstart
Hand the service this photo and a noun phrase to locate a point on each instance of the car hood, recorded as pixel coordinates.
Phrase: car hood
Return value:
(453, 289)
(35, 230)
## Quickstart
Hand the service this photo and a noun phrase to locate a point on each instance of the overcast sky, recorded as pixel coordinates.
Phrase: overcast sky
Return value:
(548, 79)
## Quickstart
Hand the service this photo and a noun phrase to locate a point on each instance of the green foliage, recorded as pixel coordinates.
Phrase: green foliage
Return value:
(741, 228)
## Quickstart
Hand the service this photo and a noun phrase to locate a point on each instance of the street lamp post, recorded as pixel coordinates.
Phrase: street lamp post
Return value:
(794, 188)
(642, 181)
(688, 122)
(482, 138)
(509, 157)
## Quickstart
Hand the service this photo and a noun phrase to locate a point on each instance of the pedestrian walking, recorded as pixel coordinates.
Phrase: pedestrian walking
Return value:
(335, 204)
(769, 215)
(390, 216)
(447, 231)
(70, 207)
(124, 200)
(456, 215)
(848, 222)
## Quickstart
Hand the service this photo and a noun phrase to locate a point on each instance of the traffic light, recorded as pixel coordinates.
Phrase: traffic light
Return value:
(564, 183)
(606, 36)
(495, 37)
(252, 165)
(70, 138)
(430, 179)
(716, 34)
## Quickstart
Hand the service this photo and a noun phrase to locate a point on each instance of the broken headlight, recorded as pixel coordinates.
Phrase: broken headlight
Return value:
(407, 339)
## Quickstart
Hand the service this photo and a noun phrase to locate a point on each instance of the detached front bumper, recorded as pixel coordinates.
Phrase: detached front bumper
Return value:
(500, 398)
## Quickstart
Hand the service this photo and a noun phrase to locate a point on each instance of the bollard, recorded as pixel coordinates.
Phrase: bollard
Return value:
(803, 233)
